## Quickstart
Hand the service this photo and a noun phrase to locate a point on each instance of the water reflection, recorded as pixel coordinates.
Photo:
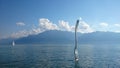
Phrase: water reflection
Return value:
(77, 64)
(59, 56)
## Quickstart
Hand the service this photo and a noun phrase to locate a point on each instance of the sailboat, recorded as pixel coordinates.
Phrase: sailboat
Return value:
(13, 43)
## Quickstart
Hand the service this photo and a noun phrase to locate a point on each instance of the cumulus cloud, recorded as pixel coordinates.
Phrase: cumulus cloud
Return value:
(36, 31)
(117, 25)
(19, 34)
(117, 31)
(103, 24)
(84, 27)
(64, 26)
(45, 24)
(20, 24)
(25, 33)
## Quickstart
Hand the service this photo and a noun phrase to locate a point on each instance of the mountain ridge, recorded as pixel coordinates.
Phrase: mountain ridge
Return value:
(56, 36)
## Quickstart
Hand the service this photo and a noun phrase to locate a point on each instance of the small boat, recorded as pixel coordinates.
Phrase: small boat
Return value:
(13, 43)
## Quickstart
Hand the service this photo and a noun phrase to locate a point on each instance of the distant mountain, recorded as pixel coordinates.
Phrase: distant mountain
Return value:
(55, 36)
(100, 37)
(52, 36)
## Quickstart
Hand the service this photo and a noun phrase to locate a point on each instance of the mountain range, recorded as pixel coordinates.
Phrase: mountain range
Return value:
(61, 37)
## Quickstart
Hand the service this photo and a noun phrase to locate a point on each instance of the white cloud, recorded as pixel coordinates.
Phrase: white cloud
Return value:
(117, 25)
(25, 33)
(19, 34)
(64, 26)
(117, 31)
(20, 24)
(84, 27)
(103, 24)
(45, 24)
(36, 30)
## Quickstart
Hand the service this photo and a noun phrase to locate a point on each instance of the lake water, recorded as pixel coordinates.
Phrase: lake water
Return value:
(59, 56)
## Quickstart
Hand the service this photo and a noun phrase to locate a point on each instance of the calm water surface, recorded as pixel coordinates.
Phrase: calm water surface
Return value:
(59, 56)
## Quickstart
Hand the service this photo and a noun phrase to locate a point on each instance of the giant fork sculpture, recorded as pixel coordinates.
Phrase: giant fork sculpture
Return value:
(75, 49)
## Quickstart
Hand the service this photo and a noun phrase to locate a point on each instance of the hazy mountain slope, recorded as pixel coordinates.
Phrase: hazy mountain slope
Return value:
(55, 36)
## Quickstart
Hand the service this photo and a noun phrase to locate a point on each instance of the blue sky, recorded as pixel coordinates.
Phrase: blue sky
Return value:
(25, 16)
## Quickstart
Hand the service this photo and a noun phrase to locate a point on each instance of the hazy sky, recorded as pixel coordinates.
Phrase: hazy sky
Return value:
(24, 17)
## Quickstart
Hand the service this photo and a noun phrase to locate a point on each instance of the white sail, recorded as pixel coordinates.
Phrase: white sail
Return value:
(13, 43)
